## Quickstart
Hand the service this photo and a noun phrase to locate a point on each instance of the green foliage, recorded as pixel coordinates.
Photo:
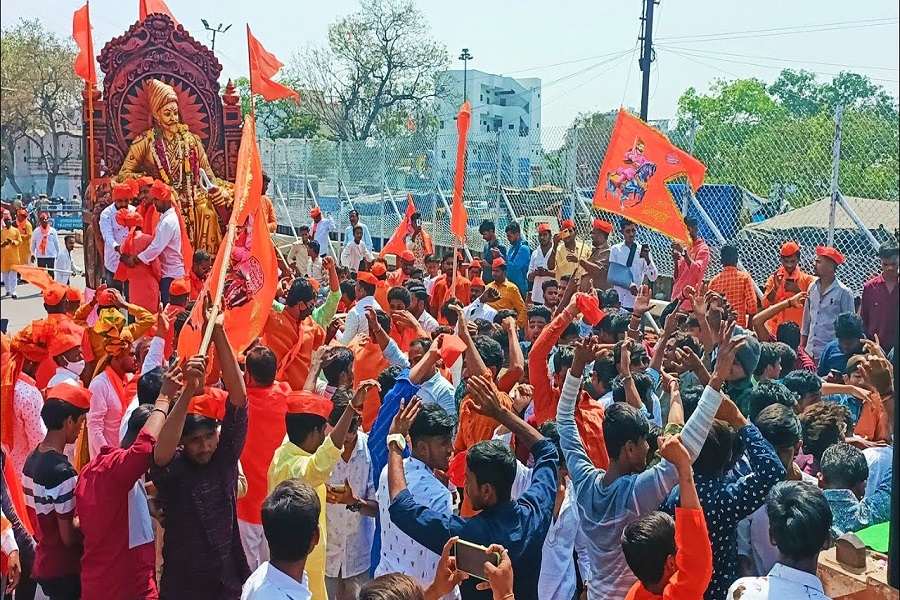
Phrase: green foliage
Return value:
(776, 141)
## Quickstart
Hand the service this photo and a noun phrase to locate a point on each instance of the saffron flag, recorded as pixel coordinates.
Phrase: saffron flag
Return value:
(639, 163)
(81, 32)
(36, 276)
(251, 273)
(263, 67)
(459, 217)
(396, 244)
(148, 7)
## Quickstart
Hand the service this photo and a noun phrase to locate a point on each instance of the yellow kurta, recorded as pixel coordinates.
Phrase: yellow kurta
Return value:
(202, 223)
(25, 234)
(510, 299)
(293, 462)
(564, 266)
(9, 254)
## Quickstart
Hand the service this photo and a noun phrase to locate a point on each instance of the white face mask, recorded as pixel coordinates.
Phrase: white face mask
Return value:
(76, 367)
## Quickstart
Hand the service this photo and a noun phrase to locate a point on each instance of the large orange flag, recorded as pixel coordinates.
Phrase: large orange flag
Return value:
(81, 32)
(459, 217)
(148, 7)
(263, 67)
(251, 276)
(396, 244)
(639, 162)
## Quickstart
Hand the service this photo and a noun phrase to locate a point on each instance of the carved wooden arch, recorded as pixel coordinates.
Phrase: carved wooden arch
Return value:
(156, 48)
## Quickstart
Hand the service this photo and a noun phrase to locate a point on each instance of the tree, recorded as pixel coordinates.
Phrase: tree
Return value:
(41, 99)
(282, 118)
(379, 61)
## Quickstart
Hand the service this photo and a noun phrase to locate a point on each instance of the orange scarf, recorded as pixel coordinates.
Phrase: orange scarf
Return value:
(42, 247)
(16, 494)
(11, 372)
(119, 385)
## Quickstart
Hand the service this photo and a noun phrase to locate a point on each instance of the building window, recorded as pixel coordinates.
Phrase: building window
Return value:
(510, 126)
(537, 125)
(481, 97)
(443, 154)
(442, 124)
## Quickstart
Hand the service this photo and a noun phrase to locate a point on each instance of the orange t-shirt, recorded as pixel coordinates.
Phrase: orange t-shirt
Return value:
(440, 293)
(294, 368)
(368, 363)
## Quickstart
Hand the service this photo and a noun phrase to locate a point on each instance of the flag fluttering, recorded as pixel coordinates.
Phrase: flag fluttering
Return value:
(396, 244)
(149, 7)
(639, 163)
(81, 33)
(459, 217)
(263, 67)
(250, 271)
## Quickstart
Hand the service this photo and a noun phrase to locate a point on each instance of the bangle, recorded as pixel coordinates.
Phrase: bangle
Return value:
(165, 413)
(627, 377)
(634, 329)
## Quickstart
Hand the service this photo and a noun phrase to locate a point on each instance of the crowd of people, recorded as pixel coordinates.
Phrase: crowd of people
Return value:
(507, 428)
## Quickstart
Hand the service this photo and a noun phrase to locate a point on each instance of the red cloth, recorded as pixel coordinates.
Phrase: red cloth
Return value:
(143, 279)
(397, 278)
(368, 363)
(459, 217)
(263, 67)
(280, 334)
(109, 568)
(171, 311)
(196, 286)
(147, 7)
(81, 32)
(440, 293)
(691, 275)
(588, 413)
(265, 431)
(295, 366)
(693, 560)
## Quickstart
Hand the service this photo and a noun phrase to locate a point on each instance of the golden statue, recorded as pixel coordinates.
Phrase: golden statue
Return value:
(172, 153)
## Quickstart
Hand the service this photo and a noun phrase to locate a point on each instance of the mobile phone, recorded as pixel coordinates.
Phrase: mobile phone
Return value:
(835, 373)
(470, 558)
(645, 248)
(338, 488)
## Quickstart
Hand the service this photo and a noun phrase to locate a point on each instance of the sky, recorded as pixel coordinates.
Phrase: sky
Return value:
(584, 51)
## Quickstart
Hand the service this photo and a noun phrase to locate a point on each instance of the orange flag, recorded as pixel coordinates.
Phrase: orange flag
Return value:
(251, 276)
(639, 162)
(81, 32)
(148, 7)
(396, 244)
(36, 276)
(459, 217)
(263, 67)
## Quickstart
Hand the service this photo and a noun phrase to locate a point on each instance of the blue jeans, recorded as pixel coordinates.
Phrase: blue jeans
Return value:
(164, 284)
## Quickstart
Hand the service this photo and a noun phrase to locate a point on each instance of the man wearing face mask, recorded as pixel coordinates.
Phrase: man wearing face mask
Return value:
(166, 244)
(65, 352)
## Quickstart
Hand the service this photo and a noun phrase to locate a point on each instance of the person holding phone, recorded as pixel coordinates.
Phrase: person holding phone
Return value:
(633, 264)
(520, 525)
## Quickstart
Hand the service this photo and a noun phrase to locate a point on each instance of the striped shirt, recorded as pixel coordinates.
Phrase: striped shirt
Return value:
(737, 287)
(48, 481)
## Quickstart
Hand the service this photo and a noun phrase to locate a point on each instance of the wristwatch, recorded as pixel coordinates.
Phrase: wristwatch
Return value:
(355, 507)
(398, 439)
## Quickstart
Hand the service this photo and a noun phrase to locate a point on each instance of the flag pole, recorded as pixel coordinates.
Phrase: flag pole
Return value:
(455, 262)
(228, 246)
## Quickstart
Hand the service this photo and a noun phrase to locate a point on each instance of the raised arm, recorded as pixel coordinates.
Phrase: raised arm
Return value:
(577, 460)
(758, 321)
(473, 359)
(516, 357)
(170, 433)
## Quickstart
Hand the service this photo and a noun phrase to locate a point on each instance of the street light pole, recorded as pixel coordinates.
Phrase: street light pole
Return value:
(465, 57)
(214, 31)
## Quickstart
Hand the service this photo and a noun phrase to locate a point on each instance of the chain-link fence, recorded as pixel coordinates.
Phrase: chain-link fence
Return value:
(809, 179)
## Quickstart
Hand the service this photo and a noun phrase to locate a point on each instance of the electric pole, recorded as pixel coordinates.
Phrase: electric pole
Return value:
(465, 57)
(214, 32)
(647, 54)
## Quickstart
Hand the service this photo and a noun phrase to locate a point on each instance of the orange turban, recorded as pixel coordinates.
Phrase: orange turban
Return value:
(117, 342)
(31, 341)
(180, 287)
(146, 180)
(314, 283)
(302, 402)
(209, 404)
(54, 294)
(542, 227)
(160, 94)
(106, 299)
(76, 395)
(366, 277)
(498, 263)
(28, 344)
(129, 218)
(568, 224)
(64, 337)
(124, 191)
(73, 295)
(477, 282)
(790, 248)
(408, 256)
(160, 191)
(604, 226)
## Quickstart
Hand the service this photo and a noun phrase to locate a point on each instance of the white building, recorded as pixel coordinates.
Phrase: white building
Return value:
(31, 175)
(504, 142)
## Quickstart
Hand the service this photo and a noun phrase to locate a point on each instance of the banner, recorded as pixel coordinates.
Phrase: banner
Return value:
(81, 33)
(639, 162)
(251, 272)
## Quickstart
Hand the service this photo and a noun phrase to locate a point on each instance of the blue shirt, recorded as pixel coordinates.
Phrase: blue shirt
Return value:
(518, 257)
(728, 500)
(832, 358)
(486, 272)
(853, 404)
(520, 525)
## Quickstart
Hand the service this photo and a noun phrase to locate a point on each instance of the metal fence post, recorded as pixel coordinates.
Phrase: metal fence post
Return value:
(686, 201)
(835, 170)
(573, 170)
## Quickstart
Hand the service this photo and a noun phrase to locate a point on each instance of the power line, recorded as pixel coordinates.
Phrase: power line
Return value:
(737, 35)
(772, 58)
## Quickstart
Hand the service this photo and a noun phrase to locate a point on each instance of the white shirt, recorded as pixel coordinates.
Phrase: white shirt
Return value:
(29, 429)
(320, 232)
(366, 238)
(63, 375)
(166, 245)
(113, 235)
(105, 415)
(557, 579)
(356, 319)
(429, 283)
(480, 310)
(348, 548)
(753, 536)
(153, 359)
(52, 249)
(782, 583)
(428, 322)
(268, 583)
(880, 461)
(639, 269)
(539, 261)
(316, 270)
(399, 552)
(64, 263)
(353, 254)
